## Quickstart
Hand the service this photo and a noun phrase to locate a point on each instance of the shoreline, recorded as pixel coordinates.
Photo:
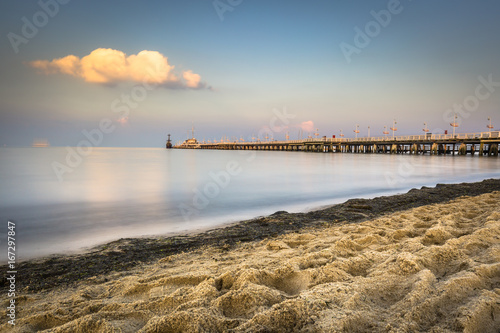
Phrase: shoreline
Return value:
(47, 273)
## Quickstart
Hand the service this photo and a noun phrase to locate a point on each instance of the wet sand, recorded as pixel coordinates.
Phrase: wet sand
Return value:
(427, 260)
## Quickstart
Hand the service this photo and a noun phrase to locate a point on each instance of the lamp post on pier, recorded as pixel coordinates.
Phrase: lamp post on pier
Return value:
(394, 128)
(356, 131)
(454, 124)
(490, 127)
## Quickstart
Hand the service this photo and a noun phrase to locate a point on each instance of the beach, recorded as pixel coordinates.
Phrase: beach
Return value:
(424, 261)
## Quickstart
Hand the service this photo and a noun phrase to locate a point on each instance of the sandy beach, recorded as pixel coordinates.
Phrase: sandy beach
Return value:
(424, 261)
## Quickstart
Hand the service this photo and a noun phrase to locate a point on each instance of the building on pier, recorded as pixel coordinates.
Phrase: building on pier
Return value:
(190, 142)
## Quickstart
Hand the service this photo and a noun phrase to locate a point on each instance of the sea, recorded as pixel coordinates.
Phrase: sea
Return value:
(64, 201)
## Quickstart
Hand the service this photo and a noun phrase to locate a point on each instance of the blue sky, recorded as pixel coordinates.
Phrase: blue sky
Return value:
(263, 56)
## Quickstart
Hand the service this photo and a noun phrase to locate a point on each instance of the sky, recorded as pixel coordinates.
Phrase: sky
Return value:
(127, 73)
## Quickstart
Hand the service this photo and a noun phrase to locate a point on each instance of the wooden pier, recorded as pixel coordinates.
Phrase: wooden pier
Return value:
(480, 144)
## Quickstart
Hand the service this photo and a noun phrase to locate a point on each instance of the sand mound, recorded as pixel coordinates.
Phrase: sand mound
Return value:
(430, 269)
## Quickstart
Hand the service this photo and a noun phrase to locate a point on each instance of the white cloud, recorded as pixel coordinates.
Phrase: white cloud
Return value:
(108, 66)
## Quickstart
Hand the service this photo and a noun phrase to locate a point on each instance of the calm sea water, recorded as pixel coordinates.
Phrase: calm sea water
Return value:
(130, 192)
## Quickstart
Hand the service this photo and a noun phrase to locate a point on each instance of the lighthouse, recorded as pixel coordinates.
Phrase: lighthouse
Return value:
(169, 143)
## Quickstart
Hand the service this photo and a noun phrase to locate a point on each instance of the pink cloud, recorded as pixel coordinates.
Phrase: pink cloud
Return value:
(307, 126)
(123, 121)
(192, 79)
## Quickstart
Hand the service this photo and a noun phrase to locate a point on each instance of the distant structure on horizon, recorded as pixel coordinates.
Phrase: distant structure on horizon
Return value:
(169, 143)
(40, 143)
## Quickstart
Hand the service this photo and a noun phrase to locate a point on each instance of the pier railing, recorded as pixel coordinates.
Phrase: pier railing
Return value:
(427, 137)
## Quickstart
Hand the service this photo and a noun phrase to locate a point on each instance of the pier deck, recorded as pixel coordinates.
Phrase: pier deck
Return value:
(481, 144)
